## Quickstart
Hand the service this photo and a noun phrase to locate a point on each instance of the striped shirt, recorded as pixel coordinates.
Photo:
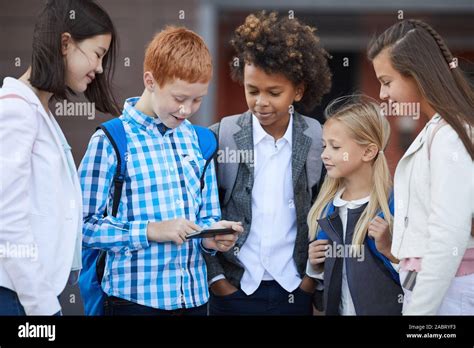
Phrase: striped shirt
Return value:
(162, 183)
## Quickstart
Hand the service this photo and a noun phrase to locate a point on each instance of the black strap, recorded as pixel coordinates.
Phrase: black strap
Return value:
(118, 181)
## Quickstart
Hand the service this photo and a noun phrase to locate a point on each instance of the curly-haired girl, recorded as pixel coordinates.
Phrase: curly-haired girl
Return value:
(283, 70)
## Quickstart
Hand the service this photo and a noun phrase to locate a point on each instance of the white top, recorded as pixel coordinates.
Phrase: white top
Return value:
(267, 254)
(41, 205)
(77, 258)
(346, 306)
(434, 205)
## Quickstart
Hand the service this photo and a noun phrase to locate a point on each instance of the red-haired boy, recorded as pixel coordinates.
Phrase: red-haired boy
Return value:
(151, 268)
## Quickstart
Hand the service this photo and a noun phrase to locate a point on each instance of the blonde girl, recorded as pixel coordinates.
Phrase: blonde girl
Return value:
(350, 221)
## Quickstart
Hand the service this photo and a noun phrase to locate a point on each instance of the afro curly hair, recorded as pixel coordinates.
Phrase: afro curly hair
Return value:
(283, 45)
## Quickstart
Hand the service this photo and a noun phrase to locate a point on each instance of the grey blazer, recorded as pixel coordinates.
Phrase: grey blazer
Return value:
(239, 206)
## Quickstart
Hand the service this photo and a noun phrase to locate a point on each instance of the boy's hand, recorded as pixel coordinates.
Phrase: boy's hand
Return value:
(380, 232)
(171, 230)
(224, 242)
(223, 287)
(317, 253)
(308, 284)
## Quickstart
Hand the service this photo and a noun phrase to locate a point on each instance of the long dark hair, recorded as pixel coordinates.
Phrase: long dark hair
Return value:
(417, 50)
(82, 19)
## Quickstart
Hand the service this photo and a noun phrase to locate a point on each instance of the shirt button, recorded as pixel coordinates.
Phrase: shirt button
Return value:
(179, 202)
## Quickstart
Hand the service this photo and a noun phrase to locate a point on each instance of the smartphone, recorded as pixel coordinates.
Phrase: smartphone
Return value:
(210, 233)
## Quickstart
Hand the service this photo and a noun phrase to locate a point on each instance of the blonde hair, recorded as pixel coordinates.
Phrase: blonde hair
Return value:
(366, 124)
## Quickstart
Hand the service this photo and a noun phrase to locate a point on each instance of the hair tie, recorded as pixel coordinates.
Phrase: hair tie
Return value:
(381, 151)
(453, 64)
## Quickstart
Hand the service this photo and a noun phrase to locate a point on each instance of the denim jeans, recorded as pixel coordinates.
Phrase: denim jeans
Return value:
(10, 303)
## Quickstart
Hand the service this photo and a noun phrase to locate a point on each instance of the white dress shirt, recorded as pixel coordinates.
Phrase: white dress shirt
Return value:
(267, 254)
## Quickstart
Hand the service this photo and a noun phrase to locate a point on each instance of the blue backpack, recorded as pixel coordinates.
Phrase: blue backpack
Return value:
(93, 260)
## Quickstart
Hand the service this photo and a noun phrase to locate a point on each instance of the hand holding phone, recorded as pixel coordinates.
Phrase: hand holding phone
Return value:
(210, 233)
(225, 240)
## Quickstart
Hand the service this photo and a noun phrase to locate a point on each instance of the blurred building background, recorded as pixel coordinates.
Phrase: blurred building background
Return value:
(345, 28)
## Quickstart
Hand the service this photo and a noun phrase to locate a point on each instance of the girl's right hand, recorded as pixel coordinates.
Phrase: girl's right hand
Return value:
(317, 253)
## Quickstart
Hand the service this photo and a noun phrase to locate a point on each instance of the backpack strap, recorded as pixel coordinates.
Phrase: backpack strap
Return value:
(115, 132)
(14, 96)
(208, 145)
(227, 172)
(441, 124)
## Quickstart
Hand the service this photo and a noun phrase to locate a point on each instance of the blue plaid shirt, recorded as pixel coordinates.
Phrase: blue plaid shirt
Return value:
(162, 183)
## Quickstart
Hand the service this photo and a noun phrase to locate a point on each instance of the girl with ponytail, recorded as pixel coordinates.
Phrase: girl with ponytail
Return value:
(434, 180)
(351, 220)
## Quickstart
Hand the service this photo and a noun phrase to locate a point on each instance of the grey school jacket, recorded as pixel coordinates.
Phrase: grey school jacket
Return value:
(239, 206)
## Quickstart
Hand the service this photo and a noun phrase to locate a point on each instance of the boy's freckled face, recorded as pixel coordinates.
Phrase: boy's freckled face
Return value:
(342, 155)
(268, 96)
(177, 100)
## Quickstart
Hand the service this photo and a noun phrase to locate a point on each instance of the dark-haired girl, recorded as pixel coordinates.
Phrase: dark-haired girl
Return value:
(284, 70)
(40, 207)
(434, 187)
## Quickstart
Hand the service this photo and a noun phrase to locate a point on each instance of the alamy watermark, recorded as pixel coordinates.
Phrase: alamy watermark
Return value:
(227, 155)
(76, 109)
(26, 251)
(37, 331)
(345, 251)
(405, 109)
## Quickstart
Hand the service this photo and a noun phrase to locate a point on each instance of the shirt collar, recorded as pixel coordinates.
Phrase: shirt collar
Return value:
(339, 202)
(138, 117)
(259, 133)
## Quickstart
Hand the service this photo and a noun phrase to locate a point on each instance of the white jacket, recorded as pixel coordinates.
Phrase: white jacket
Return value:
(40, 204)
(434, 205)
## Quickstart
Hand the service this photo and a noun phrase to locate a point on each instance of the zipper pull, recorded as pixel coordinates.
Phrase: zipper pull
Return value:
(406, 221)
